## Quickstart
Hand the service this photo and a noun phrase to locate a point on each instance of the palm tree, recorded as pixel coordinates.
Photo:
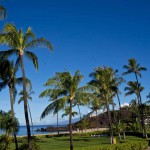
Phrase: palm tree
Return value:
(134, 67)
(102, 78)
(71, 91)
(29, 93)
(79, 103)
(7, 126)
(8, 78)
(95, 106)
(53, 92)
(67, 110)
(20, 44)
(134, 106)
(134, 88)
(56, 105)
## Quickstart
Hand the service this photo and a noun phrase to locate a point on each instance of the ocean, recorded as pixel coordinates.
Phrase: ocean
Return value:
(23, 130)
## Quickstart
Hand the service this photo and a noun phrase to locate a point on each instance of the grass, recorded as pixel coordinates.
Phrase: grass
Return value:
(62, 143)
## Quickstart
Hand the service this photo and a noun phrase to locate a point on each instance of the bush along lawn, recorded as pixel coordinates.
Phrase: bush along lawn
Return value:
(129, 145)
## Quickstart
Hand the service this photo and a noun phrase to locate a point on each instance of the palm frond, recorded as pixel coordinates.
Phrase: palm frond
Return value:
(64, 114)
(88, 89)
(10, 28)
(28, 36)
(31, 56)
(52, 82)
(8, 53)
(3, 85)
(41, 42)
(46, 93)
(14, 93)
(51, 107)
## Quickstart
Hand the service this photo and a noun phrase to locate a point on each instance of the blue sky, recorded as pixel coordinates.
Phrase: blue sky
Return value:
(85, 34)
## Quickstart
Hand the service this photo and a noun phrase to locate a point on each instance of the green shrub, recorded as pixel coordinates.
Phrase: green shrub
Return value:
(24, 146)
(5, 141)
(130, 145)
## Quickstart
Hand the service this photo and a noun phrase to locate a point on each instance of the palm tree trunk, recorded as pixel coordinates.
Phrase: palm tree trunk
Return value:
(119, 105)
(79, 112)
(70, 126)
(119, 135)
(25, 103)
(12, 114)
(141, 110)
(96, 120)
(57, 124)
(110, 124)
(30, 118)
(119, 114)
(114, 116)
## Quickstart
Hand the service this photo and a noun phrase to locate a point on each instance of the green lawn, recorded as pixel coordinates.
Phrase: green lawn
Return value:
(62, 143)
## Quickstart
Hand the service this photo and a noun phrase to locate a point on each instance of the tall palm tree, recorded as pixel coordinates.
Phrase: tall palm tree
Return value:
(70, 85)
(135, 68)
(29, 93)
(8, 78)
(102, 78)
(20, 44)
(134, 88)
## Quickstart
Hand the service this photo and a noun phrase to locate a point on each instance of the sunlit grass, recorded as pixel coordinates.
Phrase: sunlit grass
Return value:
(62, 143)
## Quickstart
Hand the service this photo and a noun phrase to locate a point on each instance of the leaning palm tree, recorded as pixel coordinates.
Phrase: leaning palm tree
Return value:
(8, 78)
(70, 85)
(56, 105)
(102, 78)
(135, 68)
(20, 44)
(29, 93)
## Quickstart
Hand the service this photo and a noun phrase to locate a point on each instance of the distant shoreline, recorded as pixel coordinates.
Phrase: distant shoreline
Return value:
(67, 132)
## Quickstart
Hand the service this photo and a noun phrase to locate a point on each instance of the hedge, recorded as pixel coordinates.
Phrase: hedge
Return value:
(131, 145)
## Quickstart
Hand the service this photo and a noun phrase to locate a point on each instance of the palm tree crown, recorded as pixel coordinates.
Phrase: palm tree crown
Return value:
(21, 43)
(133, 67)
(132, 88)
